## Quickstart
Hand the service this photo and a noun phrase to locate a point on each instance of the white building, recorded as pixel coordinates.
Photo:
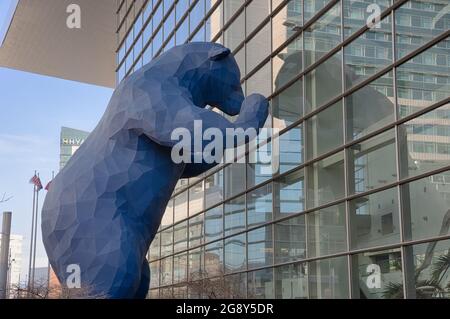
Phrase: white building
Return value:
(15, 259)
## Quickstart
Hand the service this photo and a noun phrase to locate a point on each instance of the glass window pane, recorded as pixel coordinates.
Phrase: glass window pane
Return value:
(328, 278)
(372, 163)
(426, 205)
(313, 6)
(287, 64)
(431, 277)
(323, 35)
(326, 180)
(154, 274)
(288, 105)
(256, 12)
(418, 22)
(180, 269)
(214, 259)
(290, 149)
(425, 79)
(260, 247)
(425, 142)
(155, 247)
(374, 219)
(181, 205)
(196, 264)
(289, 194)
(235, 215)
(291, 282)
(357, 13)
(196, 198)
(368, 54)
(323, 83)
(167, 242)
(325, 131)
(167, 218)
(235, 259)
(259, 205)
(196, 230)
(260, 82)
(214, 223)
(327, 231)
(234, 179)
(214, 189)
(260, 284)
(236, 285)
(166, 271)
(180, 236)
(370, 108)
(378, 275)
(257, 48)
(261, 161)
(290, 240)
(286, 22)
(233, 34)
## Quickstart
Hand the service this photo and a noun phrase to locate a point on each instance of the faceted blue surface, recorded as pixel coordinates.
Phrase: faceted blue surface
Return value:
(104, 208)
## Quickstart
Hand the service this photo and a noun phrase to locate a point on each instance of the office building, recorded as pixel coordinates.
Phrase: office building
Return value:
(355, 203)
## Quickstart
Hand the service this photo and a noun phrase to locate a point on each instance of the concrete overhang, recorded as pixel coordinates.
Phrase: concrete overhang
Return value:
(38, 40)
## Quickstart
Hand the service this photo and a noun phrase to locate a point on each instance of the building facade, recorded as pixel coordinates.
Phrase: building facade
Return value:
(71, 139)
(355, 203)
(15, 262)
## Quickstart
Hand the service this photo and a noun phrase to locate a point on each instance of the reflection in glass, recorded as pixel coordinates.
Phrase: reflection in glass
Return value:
(154, 274)
(233, 34)
(358, 12)
(327, 231)
(260, 82)
(426, 207)
(425, 142)
(257, 48)
(236, 286)
(323, 35)
(181, 206)
(167, 242)
(166, 271)
(291, 281)
(259, 205)
(287, 64)
(289, 194)
(372, 163)
(260, 247)
(374, 219)
(430, 277)
(286, 22)
(196, 199)
(328, 278)
(214, 259)
(167, 218)
(196, 264)
(180, 236)
(378, 275)
(255, 13)
(260, 284)
(424, 80)
(196, 230)
(214, 189)
(155, 247)
(370, 108)
(234, 179)
(288, 105)
(214, 223)
(180, 268)
(235, 257)
(290, 239)
(313, 6)
(325, 131)
(326, 180)
(368, 54)
(290, 149)
(235, 215)
(418, 22)
(323, 83)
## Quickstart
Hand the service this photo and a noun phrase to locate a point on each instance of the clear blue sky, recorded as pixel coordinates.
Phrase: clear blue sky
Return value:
(32, 110)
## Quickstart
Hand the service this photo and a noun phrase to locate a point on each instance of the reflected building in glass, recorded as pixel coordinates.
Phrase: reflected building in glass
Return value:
(356, 200)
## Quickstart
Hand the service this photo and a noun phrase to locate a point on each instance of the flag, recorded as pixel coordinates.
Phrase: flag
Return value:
(36, 181)
(48, 185)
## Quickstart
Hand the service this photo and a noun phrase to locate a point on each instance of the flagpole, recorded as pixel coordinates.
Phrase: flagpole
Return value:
(48, 260)
(35, 234)
(31, 238)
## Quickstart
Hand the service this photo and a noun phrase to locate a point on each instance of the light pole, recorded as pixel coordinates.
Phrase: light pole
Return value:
(4, 253)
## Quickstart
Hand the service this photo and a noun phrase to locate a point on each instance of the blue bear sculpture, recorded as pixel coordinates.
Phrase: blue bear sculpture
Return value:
(105, 206)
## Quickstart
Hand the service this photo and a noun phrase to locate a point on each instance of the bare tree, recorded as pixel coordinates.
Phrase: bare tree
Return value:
(4, 199)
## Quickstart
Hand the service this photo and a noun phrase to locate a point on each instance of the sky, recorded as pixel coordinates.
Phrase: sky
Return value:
(33, 109)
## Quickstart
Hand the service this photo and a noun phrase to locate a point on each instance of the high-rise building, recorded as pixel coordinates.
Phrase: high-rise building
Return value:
(71, 140)
(355, 203)
(15, 261)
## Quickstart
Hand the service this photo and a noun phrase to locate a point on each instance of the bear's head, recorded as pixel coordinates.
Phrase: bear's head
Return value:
(212, 75)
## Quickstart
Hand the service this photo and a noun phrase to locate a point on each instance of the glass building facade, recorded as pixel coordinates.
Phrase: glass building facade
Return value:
(356, 200)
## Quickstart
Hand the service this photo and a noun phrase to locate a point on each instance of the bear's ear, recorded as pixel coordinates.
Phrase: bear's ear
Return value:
(219, 53)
